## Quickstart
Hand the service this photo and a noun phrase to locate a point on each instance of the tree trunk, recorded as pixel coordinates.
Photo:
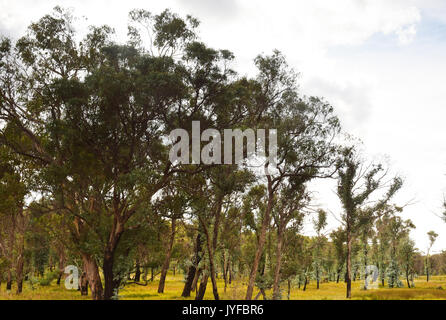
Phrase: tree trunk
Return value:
(260, 244)
(276, 285)
(349, 265)
(212, 244)
(192, 269)
(166, 263)
(94, 279)
(289, 289)
(21, 230)
(83, 284)
(202, 289)
(61, 265)
(9, 280)
(137, 271)
(111, 283)
(20, 263)
(225, 269)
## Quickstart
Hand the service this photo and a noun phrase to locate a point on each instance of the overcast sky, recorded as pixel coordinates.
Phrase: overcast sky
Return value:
(380, 63)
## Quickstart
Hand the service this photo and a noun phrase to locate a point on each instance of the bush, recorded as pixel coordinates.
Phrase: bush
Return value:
(48, 278)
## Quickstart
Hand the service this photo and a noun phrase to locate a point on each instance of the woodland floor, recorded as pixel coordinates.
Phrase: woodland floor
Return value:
(432, 290)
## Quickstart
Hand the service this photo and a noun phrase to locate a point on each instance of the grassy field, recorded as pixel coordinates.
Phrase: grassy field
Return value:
(435, 289)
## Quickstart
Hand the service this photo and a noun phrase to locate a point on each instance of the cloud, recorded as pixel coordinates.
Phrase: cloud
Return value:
(210, 8)
(351, 99)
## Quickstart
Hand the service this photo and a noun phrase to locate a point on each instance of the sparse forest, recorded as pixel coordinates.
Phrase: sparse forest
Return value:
(86, 179)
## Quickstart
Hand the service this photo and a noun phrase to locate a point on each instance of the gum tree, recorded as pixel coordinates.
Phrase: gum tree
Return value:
(356, 184)
(306, 128)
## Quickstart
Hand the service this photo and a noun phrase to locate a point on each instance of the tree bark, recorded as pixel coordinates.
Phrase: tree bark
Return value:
(349, 265)
(61, 264)
(94, 279)
(137, 272)
(195, 280)
(9, 280)
(166, 263)
(84, 284)
(202, 288)
(20, 264)
(260, 244)
(212, 244)
(192, 269)
(276, 285)
(111, 284)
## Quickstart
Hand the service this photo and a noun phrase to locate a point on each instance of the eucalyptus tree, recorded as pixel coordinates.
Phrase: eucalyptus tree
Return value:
(397, 229)
(172, 205)
(432, 235)
(407, 252)
(356, 184)
(209, 192)
(288, 210)
(339, 240)
(306, 129)
(231, 239)
(320, 223)
(292, 256)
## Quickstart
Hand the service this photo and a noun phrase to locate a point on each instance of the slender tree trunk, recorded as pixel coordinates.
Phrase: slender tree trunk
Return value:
(166, 263)
(349, 264)
(192, 272)
(137, 271)
(20, 260)
(212, 244)
(192, 269)
(260, 244)
(225, 270)
(9, 280)
(61, 265)
(276, 284)
(20, 264)
(196, 278)
(289, 289)
(338, 275)
(202, 288)
(213, 279)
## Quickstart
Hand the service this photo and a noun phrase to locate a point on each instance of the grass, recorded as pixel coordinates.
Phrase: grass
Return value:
(435, 289)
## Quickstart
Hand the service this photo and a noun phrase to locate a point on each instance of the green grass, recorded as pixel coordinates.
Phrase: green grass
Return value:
(432, 290)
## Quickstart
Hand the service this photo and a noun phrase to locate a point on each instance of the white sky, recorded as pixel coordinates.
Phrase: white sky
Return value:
(381, 63)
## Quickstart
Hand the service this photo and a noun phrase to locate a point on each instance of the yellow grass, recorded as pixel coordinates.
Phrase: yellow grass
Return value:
(434, 289)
